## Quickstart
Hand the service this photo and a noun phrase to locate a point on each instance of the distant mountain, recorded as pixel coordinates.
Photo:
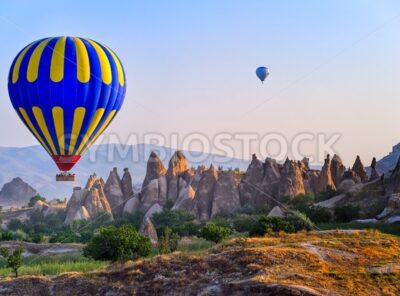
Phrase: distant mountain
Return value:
(16, 193)
(388, 162)
(34, 166)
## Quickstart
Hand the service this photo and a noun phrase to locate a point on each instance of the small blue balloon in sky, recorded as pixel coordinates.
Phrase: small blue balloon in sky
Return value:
(262, 73)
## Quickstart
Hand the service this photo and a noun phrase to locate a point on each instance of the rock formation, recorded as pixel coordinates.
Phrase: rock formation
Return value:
(113, 191)
(291, 181)
(147, 228)
(249, 186)
(276, 212)
(177, 165)
(16, 193)
(226, 194)
(205, 193)
(359, 170)
(126, 184)
(337, 170)
(373, 171)
(325, 179)
(86, 203)
(155, 169)
(131, 205)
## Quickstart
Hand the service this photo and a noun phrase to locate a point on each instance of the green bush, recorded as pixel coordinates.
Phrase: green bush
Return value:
(266, 225)
(318, 214)
(111, 243)
(327, 194)
(302, 202)
(244, 223)
(347, 213)
(214, 233)
(179, 221)
(221, 221)
(300, 221)
(14, 259)
(34, 199)
(135, 219)
(15, 224)
(168, 242)
(7, 235)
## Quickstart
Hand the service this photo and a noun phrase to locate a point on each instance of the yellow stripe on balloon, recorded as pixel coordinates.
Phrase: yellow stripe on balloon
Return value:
(57, 60)
(82, 60)
(104, 125)
(33, 66)
(58, 118)
(95, 121)
(37, 112)
(32, 128)
(104, 62)
(119, 67)
(18, 62)
(79, 115)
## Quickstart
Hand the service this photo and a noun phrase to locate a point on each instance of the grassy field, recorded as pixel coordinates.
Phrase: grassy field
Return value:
(54, 265)
(384, 228)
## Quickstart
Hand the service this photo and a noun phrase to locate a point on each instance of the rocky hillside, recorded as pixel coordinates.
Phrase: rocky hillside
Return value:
(303, 264)
(206, 192)
(16, 193)
(388, 162)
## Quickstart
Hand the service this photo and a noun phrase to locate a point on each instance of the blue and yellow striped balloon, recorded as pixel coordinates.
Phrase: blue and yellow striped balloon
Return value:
(66, 90)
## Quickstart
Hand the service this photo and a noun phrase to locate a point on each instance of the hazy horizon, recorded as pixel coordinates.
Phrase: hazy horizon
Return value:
(190, 67)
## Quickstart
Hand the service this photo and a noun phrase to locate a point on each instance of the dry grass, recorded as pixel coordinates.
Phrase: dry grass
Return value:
(345, 263)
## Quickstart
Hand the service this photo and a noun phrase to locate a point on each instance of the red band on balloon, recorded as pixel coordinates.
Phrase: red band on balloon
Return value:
(65, 162)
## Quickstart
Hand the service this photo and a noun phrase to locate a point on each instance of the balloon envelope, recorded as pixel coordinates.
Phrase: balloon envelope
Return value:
(66, 90)
(262, 73)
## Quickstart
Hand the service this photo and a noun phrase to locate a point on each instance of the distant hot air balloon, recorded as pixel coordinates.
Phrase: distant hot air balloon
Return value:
(262, 73)
(66, 90)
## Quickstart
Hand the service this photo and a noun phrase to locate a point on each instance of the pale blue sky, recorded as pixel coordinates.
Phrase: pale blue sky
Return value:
(335, 65)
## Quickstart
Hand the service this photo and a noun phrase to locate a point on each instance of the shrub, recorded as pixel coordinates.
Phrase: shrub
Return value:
(7, 235)
(135, 219)
(15, 224)
(347, 213)
(34, 199)
(221, 221)
(214, 233)
(244, 223)
(300, 221)
(302, 202)
(111, 243)
(318, 214)
(168, 242)
(14, 259)
(266, 225)
(327, 194)
(179, 221)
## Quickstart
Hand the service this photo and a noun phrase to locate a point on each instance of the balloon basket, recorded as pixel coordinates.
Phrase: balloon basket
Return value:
(65, 177)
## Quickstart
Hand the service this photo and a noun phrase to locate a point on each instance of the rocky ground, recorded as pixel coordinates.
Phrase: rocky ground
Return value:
(318, 263)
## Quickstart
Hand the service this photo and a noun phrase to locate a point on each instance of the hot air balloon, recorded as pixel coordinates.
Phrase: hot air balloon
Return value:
(66, 90)
(262, 73)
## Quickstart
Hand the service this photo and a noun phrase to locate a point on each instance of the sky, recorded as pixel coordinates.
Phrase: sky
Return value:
(190, 68)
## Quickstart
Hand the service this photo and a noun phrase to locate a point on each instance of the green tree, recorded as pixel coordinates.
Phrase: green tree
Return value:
(34, 199)
(168, 242)
(214, 233)
(111, 243)
(13, 259)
